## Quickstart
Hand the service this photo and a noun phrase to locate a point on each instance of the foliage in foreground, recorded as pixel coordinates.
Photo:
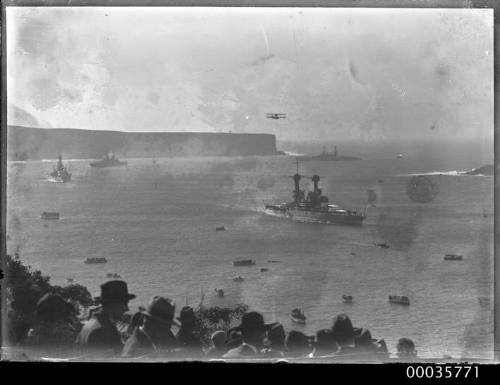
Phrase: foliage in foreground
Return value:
(25, 287)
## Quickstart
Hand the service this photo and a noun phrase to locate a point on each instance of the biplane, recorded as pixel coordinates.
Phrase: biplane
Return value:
(275, 116)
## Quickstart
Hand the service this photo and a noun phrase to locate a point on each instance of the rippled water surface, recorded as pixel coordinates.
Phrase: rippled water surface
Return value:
(155, 222)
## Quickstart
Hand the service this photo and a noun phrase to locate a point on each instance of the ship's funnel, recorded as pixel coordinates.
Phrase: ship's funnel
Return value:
(296, 192)
(316, 180)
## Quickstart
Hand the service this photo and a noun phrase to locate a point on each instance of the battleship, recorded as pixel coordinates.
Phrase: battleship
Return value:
(109, 161)
(60, 173)
(329, 156)
(314, 208)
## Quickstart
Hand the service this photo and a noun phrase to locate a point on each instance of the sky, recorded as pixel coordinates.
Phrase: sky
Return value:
(355, 74)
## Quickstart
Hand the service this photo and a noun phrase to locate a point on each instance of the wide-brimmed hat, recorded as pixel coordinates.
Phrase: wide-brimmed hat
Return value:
(114, 291)
(161, 309)
(364, 337)
(51, 307)
(219, 338)
(251, 322)
(297, 341)
(187, 316)
(342, 328)
(324, 338)
(276, 334)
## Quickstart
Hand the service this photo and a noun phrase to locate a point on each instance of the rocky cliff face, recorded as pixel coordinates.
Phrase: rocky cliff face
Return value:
(28, 143)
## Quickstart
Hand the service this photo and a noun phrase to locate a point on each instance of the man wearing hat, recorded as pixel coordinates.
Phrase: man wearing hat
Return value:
(253, 330)
(324, 343)
(275, 341)
(343, 334)
(187, 336)
(100, 331)
(153, 334)
(364, 343)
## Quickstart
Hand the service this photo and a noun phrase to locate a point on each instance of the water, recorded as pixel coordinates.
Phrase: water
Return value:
(155, 223)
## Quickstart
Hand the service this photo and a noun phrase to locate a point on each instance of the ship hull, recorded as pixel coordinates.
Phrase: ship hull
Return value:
(316, 216)
(102, 165)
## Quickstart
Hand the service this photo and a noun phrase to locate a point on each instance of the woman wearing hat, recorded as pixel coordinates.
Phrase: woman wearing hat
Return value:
(154, 334)
(54, 328)
(100, 332)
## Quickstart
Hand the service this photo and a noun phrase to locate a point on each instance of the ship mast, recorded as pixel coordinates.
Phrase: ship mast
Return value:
(296, 180)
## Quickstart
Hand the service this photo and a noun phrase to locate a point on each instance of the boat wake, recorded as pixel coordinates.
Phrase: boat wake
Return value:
(448, 173)
(290, 153)
(54, 180)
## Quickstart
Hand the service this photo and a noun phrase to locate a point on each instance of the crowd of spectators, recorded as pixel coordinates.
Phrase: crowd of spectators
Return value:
(150, 334)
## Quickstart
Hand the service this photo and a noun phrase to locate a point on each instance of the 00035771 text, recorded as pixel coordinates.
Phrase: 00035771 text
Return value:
(440, 371)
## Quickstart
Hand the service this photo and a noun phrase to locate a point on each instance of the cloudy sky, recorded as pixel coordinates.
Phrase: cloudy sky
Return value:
(350, 73)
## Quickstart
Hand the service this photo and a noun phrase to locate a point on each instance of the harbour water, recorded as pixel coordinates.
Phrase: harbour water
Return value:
(155, 222)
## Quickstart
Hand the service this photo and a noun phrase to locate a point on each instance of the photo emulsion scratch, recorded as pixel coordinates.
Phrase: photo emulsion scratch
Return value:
(249, 184)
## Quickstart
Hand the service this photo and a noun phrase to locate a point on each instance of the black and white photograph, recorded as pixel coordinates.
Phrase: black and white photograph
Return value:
(248, 184)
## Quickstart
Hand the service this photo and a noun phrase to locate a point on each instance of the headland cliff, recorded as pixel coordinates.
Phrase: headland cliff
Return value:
(29, 143)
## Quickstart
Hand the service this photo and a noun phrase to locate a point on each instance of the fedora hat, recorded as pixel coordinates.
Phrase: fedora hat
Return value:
(187, 316)
(114, 291)
(342, 329)
(324, 338)
(161, 309)
(364, 337)
(252, 321)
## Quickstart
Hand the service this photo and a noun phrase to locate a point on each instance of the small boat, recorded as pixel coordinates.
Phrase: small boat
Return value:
(113, 275)
(263, 270)
(400, 156)
(221, 228)
(220, 292)
(297, 316)
(399, 299)
(452, 257)
(238, 279)
(49, 215)
(380, 181)
(273, 261)
(347, 298)
(95, 260)
(244, 262)
(383, 245)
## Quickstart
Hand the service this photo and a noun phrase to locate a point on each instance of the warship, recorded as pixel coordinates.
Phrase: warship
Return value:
(60, 173)
(329, 156)
(109, 161)
(314, 208)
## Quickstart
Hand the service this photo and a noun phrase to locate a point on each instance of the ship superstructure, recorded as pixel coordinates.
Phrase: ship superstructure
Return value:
(109, 161)
(60, 173)
(314, 207)
(329, 156)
